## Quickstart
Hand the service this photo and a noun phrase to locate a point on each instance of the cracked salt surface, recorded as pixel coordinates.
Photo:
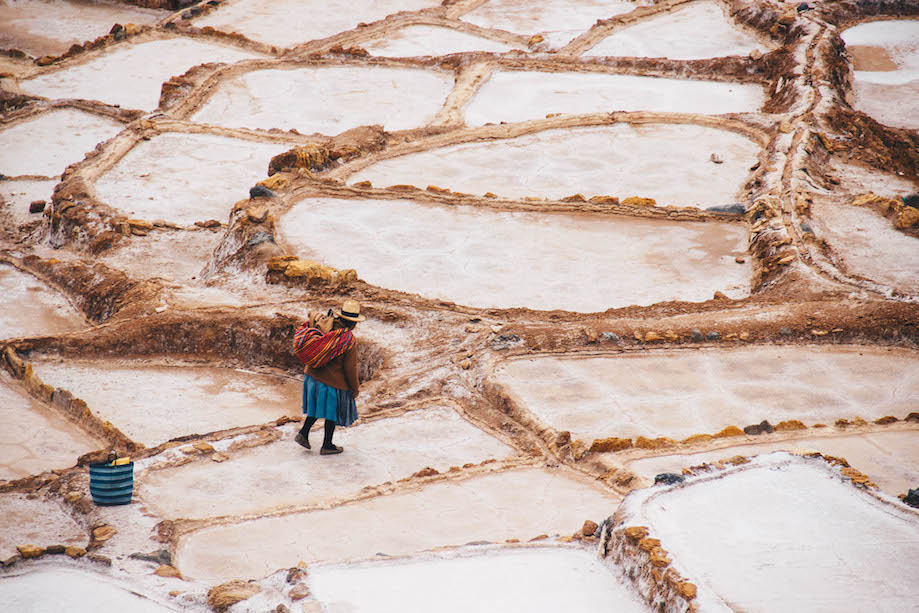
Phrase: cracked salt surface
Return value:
(48, 590)
(260, 19)
(34, 438)
(131, 74)
(670, 163)
(696, 30)
(328, 100)
(787, 535)
(886, 70)
(152, 403)
(510, 581)
(680, 393)
(518, 504)
(521, 96)
(47, 143)
(185, 178)
(869, 245)
(284, 474)
(412, 41)
(487, 258)
(30, 308)
(557, 21)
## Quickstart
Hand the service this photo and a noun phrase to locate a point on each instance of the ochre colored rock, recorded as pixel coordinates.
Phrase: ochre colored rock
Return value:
(223, 596)
(697, 438)
(687, 590)
(654, 443)
(604, 200)
(659, 558)
(168, 571)
(574, 198)
(589, 528)
(299, 592)
(132, 28)
(637, 201)
(729, 431)
(653, 336)
(649, 544)
(368, 185)
(789, 425)
(606, 445)
(275, 182)
(887, 419)
(851, 473)
(736, 460)
(30, 551)
(908, 217)
(578, 449)
(309, 269)
(535, 40)
(75, 552)
(635, 533)
(204, 447)
(103, 533)
(281, 262)
(437, 190)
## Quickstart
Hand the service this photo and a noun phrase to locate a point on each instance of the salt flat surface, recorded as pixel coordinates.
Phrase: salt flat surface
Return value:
(830, 546)
(19, 194)
(48, 143)
(34, 438)
(30, 308)
(677, 35)
(518, 504)
(328, 99)
(152, 404)
(669, 163)
(185, 178)
(558, 21)
(891, 459)
(36, 522)
(886, 62)
(173, 256)
(486, 258)
(521, 96)
(869, 245)
(132, 74)
(283, 473)
(512, 581)
(412, 41)
(50, 27)
(53, 590)
(260, 19)
(680, 393)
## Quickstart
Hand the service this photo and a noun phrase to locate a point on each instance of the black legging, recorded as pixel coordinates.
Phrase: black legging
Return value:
(329, 430)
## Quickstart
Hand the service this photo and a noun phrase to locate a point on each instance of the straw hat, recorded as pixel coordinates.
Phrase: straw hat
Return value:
(350, 310)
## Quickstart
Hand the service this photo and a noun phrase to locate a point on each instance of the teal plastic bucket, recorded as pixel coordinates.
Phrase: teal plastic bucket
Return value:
(111, 485)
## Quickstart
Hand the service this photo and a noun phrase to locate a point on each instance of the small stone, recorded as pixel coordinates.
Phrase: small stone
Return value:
(720, 296)
(30, 551)
(103, 533)
(760, 428)
(37, 206)
(75, 552)
(729, 431)
(160, 557)
(55, 549)
(653, 336)
(505, 341)
(363, 185)
(697, 438)
(740, 259)
(100, 559)
(715, 158)
(223, 596)
(712, 336)
(668, 479)
(257, 214)
(907, 218)
(687, 590)
(637, 201)
(610, 337)
(204, 447)
(260, 237)
(220, 457)
(168, 571)
(466, 364)
(635, 533)
(45, 61)
(299, 592)
(785, 331)
(790, 425)
(913, 417)
(260, 191)
(589, 528)
(607, 445)
(696, 334)
(817, 332)
(886, 420)
(912, 498)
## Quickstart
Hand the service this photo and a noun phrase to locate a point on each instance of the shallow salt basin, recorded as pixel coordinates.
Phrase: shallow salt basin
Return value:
(412, 41)
(680, 393)
(285, 474)
(669, 163)
(50, 27)
(259, 19)
(50, 590)
(46, 144)
(173, 256)
(521, 96)
(558, 21)
(18, 195)
(329, 100)
(186, 177)
(152, 404)
(886, 79)
(675, 35)
(869, 245)
(34, 438)
(30, 308)
(790, 523)
(36, 522)
(518, 504)
(131, 74)
(891, 459)
(486, 258)
(510, 581)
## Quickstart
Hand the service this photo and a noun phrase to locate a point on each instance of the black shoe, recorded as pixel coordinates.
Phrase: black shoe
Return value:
(330, 450)
(302, 441)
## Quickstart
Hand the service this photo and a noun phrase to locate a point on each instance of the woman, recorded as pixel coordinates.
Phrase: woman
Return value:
(329, 391)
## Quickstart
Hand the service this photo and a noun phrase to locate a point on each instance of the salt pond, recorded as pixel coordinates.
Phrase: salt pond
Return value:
(487, 258)
(37, 522)
(284, 474)
(18, 195)
(328, 99)
(173, 256)
(131, 74)
(30, 308)
(47, 143)
(417, 40)
(34, 438)
(678, 35)
(521, 96)
(670, 163)
(869, 246)
(885, 57)
(186, 177)
(154, 403)
(510, 581)
(50, 590)
(519, 504)
(780, 523)
(680, 393)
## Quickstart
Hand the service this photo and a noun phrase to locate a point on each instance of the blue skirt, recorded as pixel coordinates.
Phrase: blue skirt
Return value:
(326, 402)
